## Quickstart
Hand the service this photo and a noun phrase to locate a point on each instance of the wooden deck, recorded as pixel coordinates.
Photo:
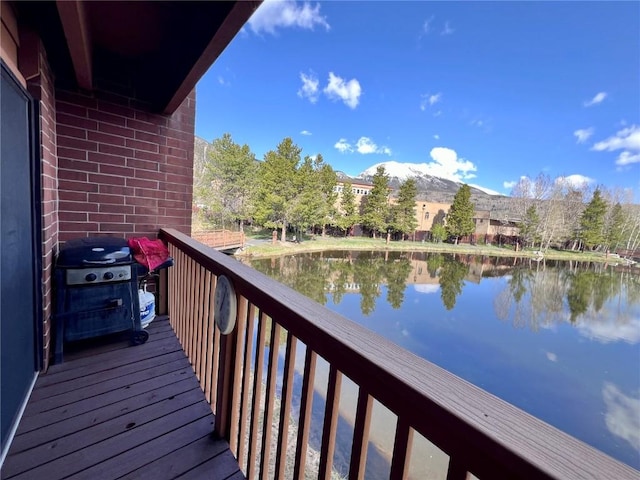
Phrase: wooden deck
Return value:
(113, 411)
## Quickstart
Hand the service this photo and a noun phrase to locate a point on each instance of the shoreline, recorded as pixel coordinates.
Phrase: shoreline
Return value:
(320, 244)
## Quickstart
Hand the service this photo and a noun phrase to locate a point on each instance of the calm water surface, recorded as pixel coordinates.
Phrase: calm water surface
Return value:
(559, 340)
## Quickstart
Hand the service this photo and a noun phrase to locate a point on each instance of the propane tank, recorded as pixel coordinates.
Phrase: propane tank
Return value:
(147, 306)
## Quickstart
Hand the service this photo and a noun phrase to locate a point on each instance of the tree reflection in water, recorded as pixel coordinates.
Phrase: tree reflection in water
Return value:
(536, 293)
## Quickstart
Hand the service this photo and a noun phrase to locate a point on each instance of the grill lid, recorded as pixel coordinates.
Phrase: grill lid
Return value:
(94, 251)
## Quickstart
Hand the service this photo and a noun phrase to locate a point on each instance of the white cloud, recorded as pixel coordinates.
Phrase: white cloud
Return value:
(429, 99)
(552, 357)
(598, 98)
(436, 136)
(305, 132)
(447, 30)
(438, 113)
(426, 26)
(627, 140)
(509, 185)
(622, 415)
(583, 134)
(347, 91)
(222, 81)
(343, 146)
(364, 145)
(574, 181)
(309, 87)
(447, 165)
(276, 14)
(426, 288)
(606, 331)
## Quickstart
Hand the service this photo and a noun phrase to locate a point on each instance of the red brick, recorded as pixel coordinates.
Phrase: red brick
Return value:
(107, 117)
(106, 179)
(116, 227)
(71, 109)
(78, 206)
(77, 143)
(106, 217)
(68, 131)
(177, 169)
(123, 209)
(144, 126)
(115, 130)
(77, 186)
(73, 216)
(173, 152)
(73, 196)
(72, 153)
(110, 107)
(106, 199)
(106, 138)
(144, 192)
(64, 174)
(142, 183)
(148, 175)
(151, 219)
(115, 150)
(172, 203)
(154, 138)
(116, 190)
(78, 226)
(68, 164)
(75, 99)
(101, 158)
(116, 170)
(142, 201)
(144, 165)
(152, 157)
(140, 145)
(65, 119)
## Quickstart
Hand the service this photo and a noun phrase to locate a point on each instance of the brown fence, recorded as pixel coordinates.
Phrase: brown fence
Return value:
(220, 239)
(475, 431)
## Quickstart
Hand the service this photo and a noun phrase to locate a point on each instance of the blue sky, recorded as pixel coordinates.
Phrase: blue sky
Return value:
(481, 92)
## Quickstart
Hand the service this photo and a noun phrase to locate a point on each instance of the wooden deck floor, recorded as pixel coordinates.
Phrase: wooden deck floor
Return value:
(113, 411)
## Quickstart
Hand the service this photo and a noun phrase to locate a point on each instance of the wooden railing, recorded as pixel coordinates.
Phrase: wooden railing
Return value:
(479, 433)
(220, 239)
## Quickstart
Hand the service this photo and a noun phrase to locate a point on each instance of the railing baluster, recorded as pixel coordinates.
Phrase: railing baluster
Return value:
(306, 402)
(208, 337)
(246, 378)
(330, 423)
(360, 436)
(217, 353)
(189, 311)
(401, 450)
(270, 394)
(257, 395)
(225, 381)
(237, 374)
(457, 469)
(285, 406)
(197, 317)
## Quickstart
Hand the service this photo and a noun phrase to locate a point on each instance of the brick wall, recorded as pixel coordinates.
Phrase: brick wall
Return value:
(40, 86)
(122, 170)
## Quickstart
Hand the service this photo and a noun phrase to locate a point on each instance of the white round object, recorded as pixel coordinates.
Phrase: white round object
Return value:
(147, 307)
(224, 311)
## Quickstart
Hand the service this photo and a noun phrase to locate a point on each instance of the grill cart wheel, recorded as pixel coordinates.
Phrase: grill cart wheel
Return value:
(139, 337)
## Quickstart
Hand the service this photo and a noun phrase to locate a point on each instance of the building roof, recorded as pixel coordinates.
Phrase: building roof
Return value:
(158, 49)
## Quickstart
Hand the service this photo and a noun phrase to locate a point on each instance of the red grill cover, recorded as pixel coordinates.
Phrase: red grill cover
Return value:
(150, 253)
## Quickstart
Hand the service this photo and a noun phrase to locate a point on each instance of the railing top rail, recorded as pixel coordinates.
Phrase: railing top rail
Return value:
(460, 418)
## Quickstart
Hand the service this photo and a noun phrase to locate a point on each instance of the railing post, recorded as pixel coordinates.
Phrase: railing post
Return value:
(163, 290)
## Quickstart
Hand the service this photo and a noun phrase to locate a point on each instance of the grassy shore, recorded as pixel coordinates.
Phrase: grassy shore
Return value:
(317, 244)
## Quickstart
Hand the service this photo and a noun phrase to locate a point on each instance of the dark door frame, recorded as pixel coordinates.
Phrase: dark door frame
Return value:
(35, 169)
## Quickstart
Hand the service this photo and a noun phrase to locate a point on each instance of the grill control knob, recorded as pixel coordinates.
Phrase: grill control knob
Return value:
(108, 275)
(90, 277)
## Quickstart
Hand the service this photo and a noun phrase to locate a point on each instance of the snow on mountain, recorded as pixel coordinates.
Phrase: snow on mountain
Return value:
(424, 173)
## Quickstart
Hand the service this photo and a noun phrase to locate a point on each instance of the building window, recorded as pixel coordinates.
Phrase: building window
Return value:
(426, 216)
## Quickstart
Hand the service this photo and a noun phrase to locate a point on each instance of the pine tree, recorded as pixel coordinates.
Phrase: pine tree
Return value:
(404, 212)
(375, 210)
(460, 217)
(592, 221)
(277, 186)
(529, 225)
(349, 208)
(615, 227)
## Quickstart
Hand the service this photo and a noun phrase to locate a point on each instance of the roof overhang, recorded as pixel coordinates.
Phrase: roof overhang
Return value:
(157, 49)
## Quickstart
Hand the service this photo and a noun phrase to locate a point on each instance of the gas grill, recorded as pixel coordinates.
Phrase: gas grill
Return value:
(96, 291)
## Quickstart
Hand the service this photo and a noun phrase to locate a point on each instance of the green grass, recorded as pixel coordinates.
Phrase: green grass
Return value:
(363, 243)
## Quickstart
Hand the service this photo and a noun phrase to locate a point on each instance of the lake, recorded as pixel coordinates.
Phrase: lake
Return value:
(560, 340)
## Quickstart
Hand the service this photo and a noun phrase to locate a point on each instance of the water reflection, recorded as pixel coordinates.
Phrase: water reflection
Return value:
(560, 340)
(537, 294)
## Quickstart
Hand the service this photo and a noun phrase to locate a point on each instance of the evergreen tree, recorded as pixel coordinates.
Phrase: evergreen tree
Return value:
(328, 181)
(225, 182)
(404, 212)
(451, 279)
(348, 208)
(460, 217)
(529, 225)
(592, 221)
(615, 227)
(277, 186)
(375, 210)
